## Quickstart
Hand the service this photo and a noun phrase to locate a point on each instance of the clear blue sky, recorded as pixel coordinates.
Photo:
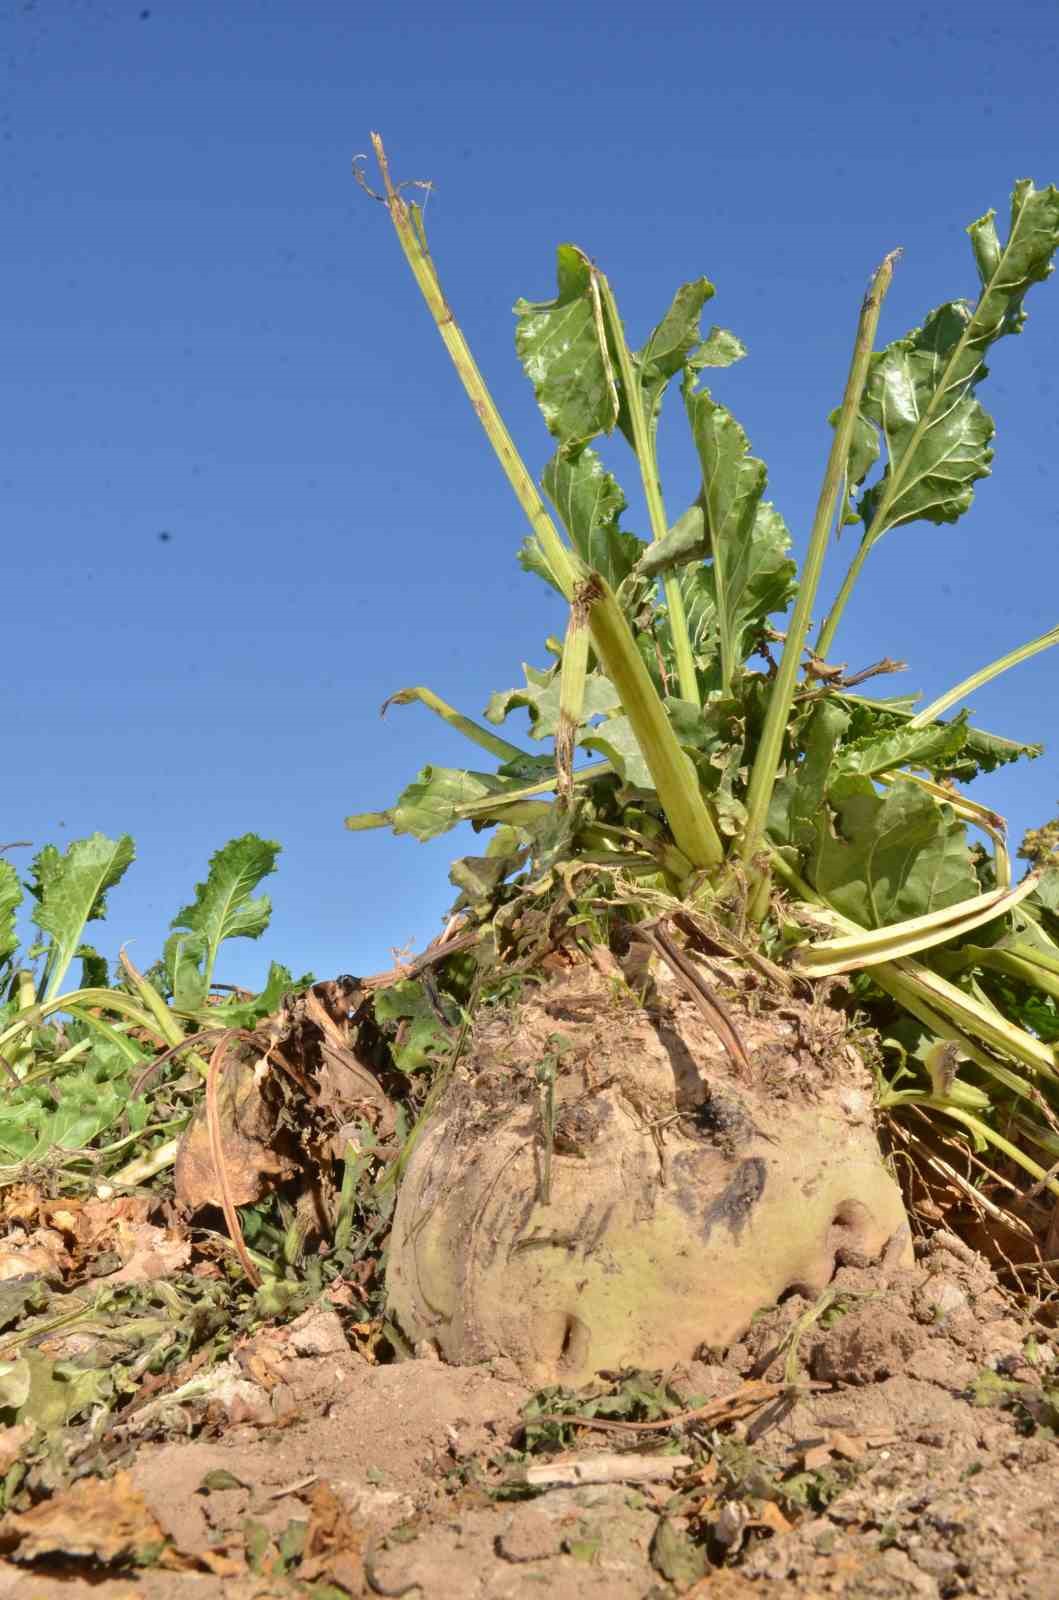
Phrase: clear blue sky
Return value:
(210, 333)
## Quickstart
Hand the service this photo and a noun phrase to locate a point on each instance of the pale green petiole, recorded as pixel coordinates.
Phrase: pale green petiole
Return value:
(474, 731)
(767, 760)
(647, 456)
(572, 677)
(851, 952)
(674, 776)
(913, 986)
(985, 675)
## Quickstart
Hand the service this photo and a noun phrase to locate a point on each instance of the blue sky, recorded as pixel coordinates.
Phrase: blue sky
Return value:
(211, 334)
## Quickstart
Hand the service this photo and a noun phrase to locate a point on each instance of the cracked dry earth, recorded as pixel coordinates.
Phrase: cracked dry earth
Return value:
(891, 1477)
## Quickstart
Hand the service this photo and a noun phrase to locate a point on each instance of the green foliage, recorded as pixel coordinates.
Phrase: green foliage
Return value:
(590, 503)
(77, 1055)
(424, 1028)
(560, 346)
(889, 857)
(10, 900)
(222, 909)
(70, 891)
(921, 389)
(716, 773)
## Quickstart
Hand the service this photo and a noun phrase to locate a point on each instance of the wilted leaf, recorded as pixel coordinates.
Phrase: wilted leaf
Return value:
(149, 1253)
(70, 890)
(674, 1555)
(40, 1254)
(333, 1543)
(97, 1519)
(13, 1441)
(889, 857)
(255, 1151)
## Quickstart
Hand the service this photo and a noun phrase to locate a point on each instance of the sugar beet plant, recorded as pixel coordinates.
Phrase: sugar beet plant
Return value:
(811, 819)
(77, 1057)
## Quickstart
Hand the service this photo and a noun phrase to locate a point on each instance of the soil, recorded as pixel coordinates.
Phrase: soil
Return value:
(896, 1474)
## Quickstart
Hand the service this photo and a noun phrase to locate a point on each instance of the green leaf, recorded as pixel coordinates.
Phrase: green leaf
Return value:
(979, 752)
(94, 971)
(687, 540)
(182, 963)
(19, 1296)
(248, 1013)
(985, 752)
(675, 1557)
(220, 1478)
(70, 890)
(223, 908)
(433, 803)
(904, 747)
(676, 346)
(590, 503)
(422, 1034)
(921, 390)
(889, 857)
(10, 900)
(48, 1393)
(863, 454)
(798, 798)
(616, 740)
(761, 582)
(1046, 893)
(567, 356)
(564, 356)
(540, 697)
(479, 877)
(751, 573)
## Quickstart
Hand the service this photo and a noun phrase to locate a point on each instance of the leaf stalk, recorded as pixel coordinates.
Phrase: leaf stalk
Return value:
(767, 760)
